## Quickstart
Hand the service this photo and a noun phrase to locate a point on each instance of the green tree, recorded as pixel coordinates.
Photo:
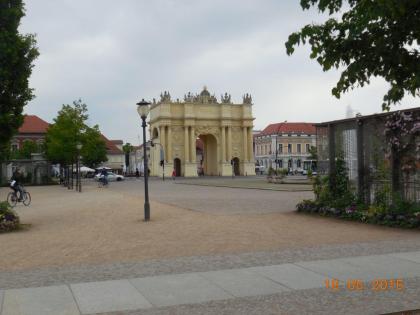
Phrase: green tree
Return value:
(66, 131)
(69, 129)
(17, 54)
(94, 148)
(313, 153)
(370, 38)
(127, 149)
(28, 147)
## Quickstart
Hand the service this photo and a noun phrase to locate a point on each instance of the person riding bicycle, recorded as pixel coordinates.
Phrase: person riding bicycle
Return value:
(104, 176)
(16, 183)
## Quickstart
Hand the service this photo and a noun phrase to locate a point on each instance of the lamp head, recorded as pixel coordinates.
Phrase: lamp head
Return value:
(79, 146)
(143, 108)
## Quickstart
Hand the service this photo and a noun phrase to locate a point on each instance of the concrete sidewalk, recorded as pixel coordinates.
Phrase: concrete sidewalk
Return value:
(193, 288)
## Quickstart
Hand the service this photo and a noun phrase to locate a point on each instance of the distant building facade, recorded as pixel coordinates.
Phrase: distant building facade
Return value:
(136, 159)
(285, 145)
(115, 155)
(33, 129)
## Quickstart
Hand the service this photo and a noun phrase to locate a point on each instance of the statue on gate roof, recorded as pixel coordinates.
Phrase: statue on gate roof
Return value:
(247, 99)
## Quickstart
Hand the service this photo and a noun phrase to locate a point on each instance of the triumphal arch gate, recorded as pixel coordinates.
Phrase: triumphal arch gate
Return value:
(201, 136)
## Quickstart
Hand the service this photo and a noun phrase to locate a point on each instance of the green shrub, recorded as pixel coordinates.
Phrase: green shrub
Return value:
(9, 220)
(310, 173)
(283, 172)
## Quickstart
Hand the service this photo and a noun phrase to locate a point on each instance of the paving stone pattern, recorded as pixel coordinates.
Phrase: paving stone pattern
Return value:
(92, 273)
(197, 288)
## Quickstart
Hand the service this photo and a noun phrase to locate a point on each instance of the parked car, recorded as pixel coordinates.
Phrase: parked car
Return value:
(259, 169)
(112, 177)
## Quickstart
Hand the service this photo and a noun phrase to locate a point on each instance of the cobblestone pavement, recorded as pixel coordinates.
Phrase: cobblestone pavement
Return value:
(315, 239)
(48, 276)
(216, 200)
(250, 182)
(372, 284)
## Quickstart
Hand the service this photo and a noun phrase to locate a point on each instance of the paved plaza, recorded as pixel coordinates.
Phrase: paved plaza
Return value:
(207, 250)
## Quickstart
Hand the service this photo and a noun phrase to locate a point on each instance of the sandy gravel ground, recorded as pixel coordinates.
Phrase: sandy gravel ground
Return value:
(105, 225)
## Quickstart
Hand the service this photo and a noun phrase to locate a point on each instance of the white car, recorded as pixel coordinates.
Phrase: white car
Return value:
(112, 177)
(259, 169)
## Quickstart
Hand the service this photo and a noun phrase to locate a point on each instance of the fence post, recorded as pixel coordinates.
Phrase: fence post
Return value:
(331, 154)
(395, 171)
(360, 163)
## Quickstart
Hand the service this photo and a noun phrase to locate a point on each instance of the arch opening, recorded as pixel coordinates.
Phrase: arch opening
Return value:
(177, 167)
(207, 155)
(235, 165)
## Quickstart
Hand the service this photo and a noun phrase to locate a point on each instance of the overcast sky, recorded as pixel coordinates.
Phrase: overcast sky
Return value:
(113, 53)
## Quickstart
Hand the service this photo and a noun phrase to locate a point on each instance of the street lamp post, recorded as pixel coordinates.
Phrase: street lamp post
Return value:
(143, 110)
(79, 177)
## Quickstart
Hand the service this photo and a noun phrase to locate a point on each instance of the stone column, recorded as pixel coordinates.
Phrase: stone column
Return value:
(223, 146)
(250, 145)
(245, 142)
(162, 141)
(192, 145)
(186, 146)
(169, 155)
(229, 143)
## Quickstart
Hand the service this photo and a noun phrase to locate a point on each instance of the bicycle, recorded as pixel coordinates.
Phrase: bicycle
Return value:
(13, 199)
(102, 182)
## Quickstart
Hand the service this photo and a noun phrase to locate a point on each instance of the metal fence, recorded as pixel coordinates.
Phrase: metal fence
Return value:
(34, 172)
(362, 143)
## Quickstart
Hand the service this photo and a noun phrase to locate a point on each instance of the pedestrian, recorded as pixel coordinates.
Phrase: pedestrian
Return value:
(137, 173)
(173, 174)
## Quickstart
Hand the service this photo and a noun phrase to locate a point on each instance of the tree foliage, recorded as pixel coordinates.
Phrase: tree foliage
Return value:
(94, 149)
(17, 54)
(68, 130)
(313, 153)
(369, 39)
(25, 152)
(127, 149)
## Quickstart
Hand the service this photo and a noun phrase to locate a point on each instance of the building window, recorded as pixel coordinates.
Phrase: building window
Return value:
(289, 148)
(299, 148)
(280, 163)
(298, 163)
(14, 147)
(280, 148)
(289, 164)
(308, 147)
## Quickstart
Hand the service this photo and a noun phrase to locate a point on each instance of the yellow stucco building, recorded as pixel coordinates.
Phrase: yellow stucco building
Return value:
(224, 128)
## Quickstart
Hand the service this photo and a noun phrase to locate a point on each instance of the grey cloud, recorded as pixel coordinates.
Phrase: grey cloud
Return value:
(111, 53)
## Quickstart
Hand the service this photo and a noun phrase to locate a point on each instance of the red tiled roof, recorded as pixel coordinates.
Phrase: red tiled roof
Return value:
(111, 148)
(117, 141)
(33, 124)
(289, 127)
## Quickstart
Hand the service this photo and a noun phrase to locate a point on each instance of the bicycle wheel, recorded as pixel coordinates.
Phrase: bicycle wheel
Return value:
(27, 199)
(12, 199)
